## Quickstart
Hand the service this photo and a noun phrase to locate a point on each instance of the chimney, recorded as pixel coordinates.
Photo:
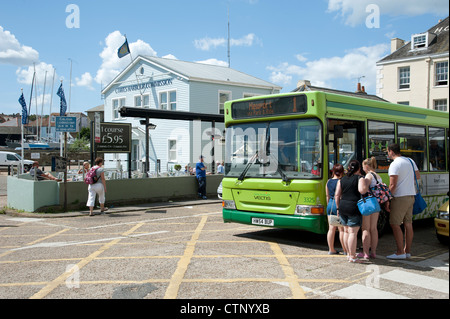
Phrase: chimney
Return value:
(303, 82)
(396, 44)
(358, 90)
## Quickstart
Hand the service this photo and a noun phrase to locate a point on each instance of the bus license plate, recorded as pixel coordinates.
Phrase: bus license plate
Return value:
(263, 222)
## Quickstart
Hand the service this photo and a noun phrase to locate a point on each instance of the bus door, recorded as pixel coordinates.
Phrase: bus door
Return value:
(346, 142)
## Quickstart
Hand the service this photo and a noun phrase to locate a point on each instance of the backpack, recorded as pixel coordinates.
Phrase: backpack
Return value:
(91, 176)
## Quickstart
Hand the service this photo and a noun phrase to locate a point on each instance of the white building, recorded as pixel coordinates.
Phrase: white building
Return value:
(167, 84)
(416, 72)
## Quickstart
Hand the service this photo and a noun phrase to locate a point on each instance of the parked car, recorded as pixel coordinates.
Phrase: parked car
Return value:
(441, 224)
(10, 158)
(219, 191)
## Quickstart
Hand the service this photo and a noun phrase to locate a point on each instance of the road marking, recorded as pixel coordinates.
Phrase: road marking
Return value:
(362, 292)
(291, 277)
(183, 263)
(75, 243)
(421, 281)
(63, 277)
(34, 242)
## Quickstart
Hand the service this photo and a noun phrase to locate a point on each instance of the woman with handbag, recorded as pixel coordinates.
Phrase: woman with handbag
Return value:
(348, 193)
(337, 172)
(369, 223)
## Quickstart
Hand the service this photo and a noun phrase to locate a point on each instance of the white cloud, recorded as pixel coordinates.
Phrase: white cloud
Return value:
(207, 43)
(12, 52)
(356, 63)
(25, 75)
(85, 81)
(111, 64)
(354, 11)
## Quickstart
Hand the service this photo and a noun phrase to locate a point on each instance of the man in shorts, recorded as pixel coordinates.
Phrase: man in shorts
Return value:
(402, 187)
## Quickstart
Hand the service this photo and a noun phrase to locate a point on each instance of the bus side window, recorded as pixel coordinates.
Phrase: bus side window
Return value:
(413, 144)
(437, 148)
(380, 135)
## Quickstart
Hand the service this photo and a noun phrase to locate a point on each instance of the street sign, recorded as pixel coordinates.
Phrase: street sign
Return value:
(66, 124)
(114, 138)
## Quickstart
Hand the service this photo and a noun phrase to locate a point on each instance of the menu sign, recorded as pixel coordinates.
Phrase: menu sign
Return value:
(269, 107)
(114, 138)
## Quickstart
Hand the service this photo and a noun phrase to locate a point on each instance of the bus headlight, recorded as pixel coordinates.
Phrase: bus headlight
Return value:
(229, 204)
(306, 210)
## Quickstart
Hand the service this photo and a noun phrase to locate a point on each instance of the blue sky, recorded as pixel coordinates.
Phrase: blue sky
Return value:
(330, 42)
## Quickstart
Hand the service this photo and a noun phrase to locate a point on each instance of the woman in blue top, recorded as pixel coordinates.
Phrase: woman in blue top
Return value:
(337, 172)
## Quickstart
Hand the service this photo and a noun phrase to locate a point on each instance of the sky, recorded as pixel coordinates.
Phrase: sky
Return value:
(332, 43)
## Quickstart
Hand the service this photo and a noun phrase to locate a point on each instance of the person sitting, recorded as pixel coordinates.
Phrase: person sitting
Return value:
(39, 175)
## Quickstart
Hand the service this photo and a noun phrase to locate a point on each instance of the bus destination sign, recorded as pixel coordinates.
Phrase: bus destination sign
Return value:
(270, 107)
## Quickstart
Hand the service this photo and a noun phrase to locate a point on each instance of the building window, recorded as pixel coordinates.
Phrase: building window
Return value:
(117, 104)
(223, 97)
(163, 101)
(403, 103)
(146, 101)
(442, 73)
(142, 101)
(419, 41)
(168, 100)
(440, 105)
(404, 77)
(137, 101)
(172, 150)
(173, 100)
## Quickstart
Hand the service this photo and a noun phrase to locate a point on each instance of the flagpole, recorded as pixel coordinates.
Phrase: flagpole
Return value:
(21, 129)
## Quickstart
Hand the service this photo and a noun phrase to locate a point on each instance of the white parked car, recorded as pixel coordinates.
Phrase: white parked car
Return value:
(10, 158)
(219, 191)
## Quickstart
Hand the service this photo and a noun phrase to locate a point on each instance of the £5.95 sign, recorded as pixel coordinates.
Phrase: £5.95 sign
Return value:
(114, 138)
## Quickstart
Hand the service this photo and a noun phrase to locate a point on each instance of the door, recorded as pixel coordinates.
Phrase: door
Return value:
(346, 142)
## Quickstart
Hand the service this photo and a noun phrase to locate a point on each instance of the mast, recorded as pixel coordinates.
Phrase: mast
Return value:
(51, 102)
(70, 85)
(229, 46)
(42, 108)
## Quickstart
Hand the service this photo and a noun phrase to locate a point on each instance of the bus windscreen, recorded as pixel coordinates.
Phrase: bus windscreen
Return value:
(270, 107)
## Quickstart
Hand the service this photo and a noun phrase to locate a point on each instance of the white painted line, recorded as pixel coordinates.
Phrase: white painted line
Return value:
(25, 220)
(72, 243)
(363, 292)
(421, 281)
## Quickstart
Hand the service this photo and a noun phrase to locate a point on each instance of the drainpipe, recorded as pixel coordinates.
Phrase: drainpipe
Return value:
(428, 61)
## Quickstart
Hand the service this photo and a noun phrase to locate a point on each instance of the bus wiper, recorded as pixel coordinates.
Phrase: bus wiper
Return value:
(283, 175)
(244, 172)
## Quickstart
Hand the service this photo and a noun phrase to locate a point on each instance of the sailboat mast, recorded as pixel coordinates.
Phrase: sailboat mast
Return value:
(51, 104)
(42, 108)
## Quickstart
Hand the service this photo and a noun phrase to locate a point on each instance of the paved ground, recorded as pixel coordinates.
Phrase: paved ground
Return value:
(185, 251)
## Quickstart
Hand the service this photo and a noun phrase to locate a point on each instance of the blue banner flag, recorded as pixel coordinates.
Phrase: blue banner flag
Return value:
(123, 50)
(60, 93)
(24, 109)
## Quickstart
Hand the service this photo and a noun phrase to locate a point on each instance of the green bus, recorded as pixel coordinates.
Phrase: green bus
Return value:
(280, 149)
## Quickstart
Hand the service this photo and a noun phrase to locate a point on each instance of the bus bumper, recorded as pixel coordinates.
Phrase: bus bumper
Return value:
(316, 224)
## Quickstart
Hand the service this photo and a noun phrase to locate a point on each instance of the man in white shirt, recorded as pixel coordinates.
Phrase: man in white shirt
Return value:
(402, 187)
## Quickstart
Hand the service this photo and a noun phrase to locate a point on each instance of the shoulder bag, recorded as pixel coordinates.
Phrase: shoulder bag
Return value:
(419, 203)
(368, 205)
